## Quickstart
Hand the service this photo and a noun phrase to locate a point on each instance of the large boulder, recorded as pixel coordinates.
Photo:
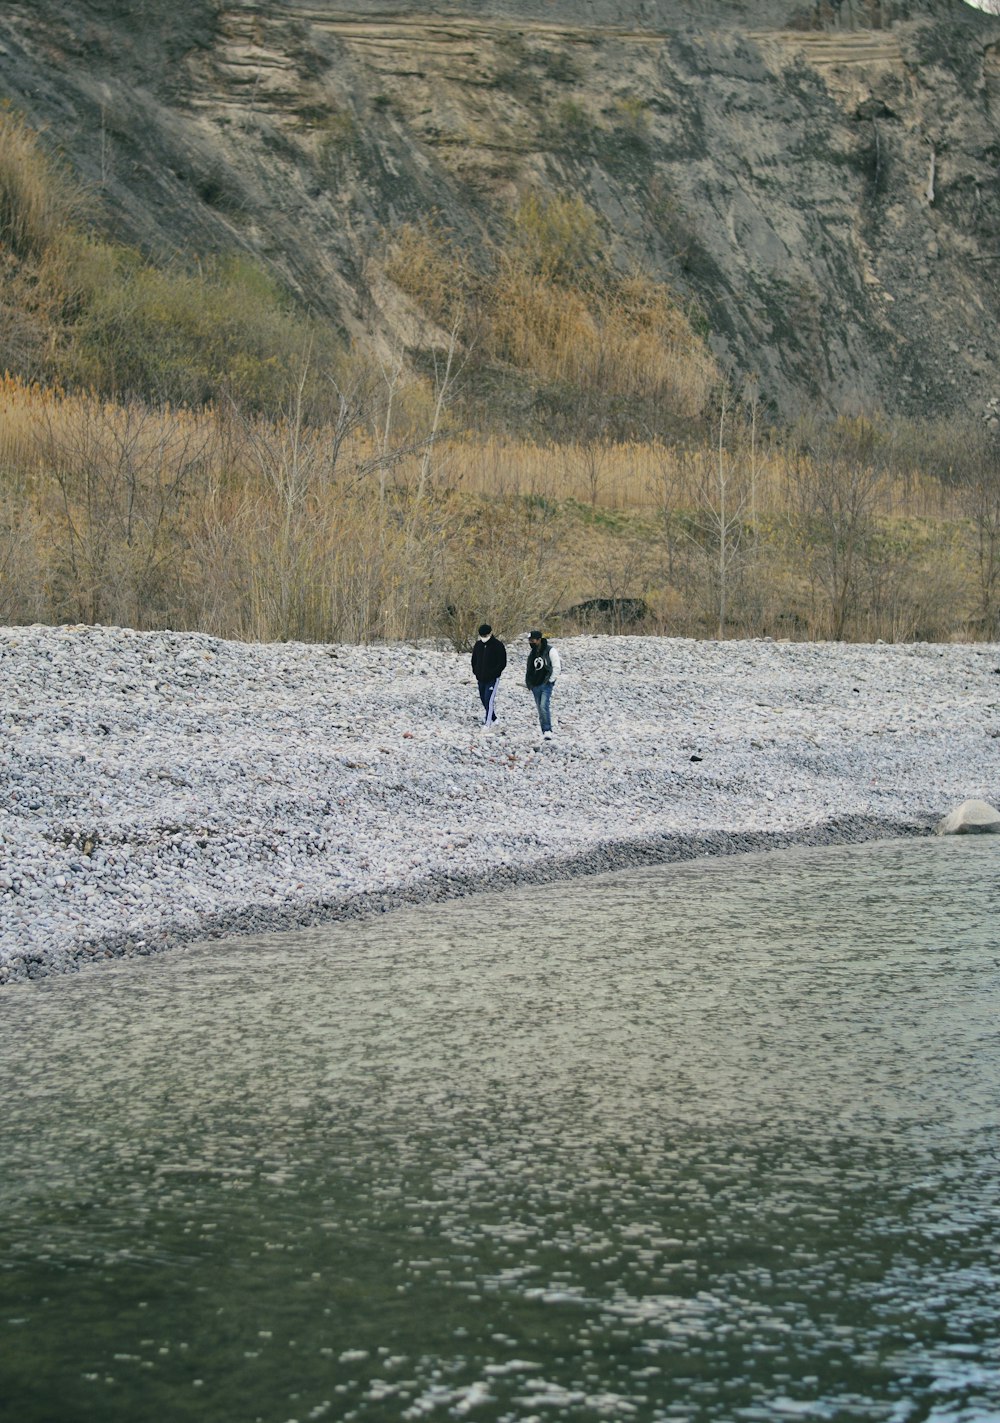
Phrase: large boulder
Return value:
(972, 817)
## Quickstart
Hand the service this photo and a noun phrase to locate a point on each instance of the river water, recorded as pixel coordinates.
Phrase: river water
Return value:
(714, 1141)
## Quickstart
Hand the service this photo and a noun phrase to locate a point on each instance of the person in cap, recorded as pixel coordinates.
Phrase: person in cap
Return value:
(540, 674)
(489, 658)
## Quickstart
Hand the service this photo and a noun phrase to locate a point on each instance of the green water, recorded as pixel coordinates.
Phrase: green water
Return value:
(713, 1142)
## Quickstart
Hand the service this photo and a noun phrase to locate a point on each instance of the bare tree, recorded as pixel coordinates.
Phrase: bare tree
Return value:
(666, 486)
(719, 526)
(586, 452)
(123, 473)
(838, 487)
(621, 573)
(983, 502)
(391, 374)
(298, 463)
(444, 379)
(751, 414)
(507, 570)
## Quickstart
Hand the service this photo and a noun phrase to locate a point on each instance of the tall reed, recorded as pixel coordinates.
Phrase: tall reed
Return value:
(260, 528)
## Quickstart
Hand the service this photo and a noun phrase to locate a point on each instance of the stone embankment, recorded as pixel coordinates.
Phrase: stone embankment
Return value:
(163, 787)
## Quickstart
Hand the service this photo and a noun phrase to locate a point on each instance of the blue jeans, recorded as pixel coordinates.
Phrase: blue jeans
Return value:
(488, 697)
(543, 699)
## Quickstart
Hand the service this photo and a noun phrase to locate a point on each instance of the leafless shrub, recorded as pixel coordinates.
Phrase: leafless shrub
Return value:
(836, 494)
(503, 567)
(123, 474)
(22, 570)
(980, 492)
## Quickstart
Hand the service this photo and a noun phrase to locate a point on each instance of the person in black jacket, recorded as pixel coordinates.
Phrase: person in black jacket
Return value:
(540, 673)
(489, 658)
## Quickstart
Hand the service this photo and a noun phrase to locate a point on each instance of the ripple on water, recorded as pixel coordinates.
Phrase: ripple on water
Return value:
(712, 1142)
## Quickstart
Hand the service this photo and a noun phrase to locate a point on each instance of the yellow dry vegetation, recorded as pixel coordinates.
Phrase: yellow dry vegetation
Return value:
(37, 199)
(297, 490)
(268, 529)
(548, 304)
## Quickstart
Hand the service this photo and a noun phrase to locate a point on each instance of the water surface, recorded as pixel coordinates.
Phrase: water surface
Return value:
(717, 1141)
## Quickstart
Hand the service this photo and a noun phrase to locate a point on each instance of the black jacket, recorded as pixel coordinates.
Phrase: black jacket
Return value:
(538, 668)
(489, 658)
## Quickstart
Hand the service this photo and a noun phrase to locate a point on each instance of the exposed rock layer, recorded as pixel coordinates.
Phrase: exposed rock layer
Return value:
(829, 196)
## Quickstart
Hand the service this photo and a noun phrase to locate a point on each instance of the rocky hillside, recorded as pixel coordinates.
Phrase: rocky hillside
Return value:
(821, 181)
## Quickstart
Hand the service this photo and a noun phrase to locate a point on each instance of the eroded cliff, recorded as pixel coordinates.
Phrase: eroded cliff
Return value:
(824, 183)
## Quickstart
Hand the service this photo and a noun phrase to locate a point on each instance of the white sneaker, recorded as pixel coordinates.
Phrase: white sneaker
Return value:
(546, 735)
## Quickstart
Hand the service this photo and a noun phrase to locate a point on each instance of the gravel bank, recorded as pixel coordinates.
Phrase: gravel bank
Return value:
(163, 787)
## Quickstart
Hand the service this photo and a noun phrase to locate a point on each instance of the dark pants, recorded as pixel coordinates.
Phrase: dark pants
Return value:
(488, 697)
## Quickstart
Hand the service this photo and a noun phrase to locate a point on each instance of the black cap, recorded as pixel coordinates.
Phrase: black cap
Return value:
(484, 629)
(533, 634)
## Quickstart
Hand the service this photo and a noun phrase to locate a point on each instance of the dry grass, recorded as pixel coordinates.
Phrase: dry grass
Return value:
(652, 477)
(37, 199)
(638, 476)
(78, 310)
(263, 529)
(548, 305)
(252, 479)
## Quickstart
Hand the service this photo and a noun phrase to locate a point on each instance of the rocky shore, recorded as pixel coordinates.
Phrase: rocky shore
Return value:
(165, 787)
